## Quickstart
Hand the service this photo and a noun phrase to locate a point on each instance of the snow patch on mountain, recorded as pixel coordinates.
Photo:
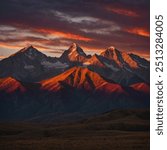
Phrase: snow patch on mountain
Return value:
(87, 63)
(29, 67)
(111, 67)
(57, 64)
(143, 66)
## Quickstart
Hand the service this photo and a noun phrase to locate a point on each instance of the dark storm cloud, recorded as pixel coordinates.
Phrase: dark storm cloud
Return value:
(122, 23)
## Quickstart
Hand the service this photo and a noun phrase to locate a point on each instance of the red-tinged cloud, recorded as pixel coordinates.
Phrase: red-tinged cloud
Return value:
(2, 57)
(5, 45)
(139, 31)
(64, 35)
(94, 25)
(123, 11)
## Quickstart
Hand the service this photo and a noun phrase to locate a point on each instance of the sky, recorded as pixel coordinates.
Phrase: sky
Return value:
(52, 25)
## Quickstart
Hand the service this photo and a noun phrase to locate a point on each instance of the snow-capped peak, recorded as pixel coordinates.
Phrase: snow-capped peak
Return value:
(122, 59)
(110, 51)
(75, 48)
(73, 54)
(111, 48)
(113, 54)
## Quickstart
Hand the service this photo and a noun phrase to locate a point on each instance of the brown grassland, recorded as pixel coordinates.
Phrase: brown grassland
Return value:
(116, 130)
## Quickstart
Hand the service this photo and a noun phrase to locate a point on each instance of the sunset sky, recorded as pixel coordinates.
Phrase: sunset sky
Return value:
(52, 25)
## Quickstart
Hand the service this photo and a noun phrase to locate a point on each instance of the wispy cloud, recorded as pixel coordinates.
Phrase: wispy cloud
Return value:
(74, 19)
(58, 34)
(139, 31)
(2, 57)
(123, 11)
(94, 25)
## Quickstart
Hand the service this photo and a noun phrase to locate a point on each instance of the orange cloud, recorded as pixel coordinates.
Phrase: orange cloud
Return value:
(64, 35)
(5, 45)
(2, 57)
(18, 47)
(123, 11)
(139, 31)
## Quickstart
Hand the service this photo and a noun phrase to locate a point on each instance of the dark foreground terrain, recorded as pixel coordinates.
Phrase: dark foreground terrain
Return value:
(116, 130)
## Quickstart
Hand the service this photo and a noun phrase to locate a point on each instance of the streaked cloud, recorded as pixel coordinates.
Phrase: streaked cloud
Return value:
(123, 11)
(2, 57)
(58, 34)
(74, 19)
(54, 25)
(139, 31)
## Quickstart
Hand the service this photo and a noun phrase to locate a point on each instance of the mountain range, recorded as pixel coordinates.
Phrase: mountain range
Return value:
(33, 85)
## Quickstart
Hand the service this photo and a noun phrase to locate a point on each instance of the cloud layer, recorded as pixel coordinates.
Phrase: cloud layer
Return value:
(53, 25)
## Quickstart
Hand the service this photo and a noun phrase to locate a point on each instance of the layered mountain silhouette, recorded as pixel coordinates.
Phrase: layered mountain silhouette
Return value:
(33, 84)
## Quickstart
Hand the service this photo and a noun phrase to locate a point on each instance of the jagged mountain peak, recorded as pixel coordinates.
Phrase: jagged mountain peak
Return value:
(113, 54)
(110, 51)
(30, 65)
(28, 51)
(74, 54)
(28, 48)
(75, 48)
(111, 48)
(121, 58)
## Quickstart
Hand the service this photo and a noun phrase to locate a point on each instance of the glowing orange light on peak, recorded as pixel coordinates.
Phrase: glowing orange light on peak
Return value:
(139, 31)
(129, 60)
(64, 35)
(122, 11)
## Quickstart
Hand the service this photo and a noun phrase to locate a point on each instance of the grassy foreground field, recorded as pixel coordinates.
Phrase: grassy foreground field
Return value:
(116, 130)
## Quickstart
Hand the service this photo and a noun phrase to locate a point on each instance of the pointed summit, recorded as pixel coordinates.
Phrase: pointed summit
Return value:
(74, 54)
(29, 52)
(122, 59)
(29, 48)
(111, 48)
(110, 51)
(75, 48)
(29, 64)
(113, 54)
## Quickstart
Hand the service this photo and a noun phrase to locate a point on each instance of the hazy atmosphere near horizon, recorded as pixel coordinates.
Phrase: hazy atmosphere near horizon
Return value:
(51, 26)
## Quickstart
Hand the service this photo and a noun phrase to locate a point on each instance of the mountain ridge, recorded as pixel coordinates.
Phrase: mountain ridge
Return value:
(33, 84)
(80, 77)
(29, 64)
